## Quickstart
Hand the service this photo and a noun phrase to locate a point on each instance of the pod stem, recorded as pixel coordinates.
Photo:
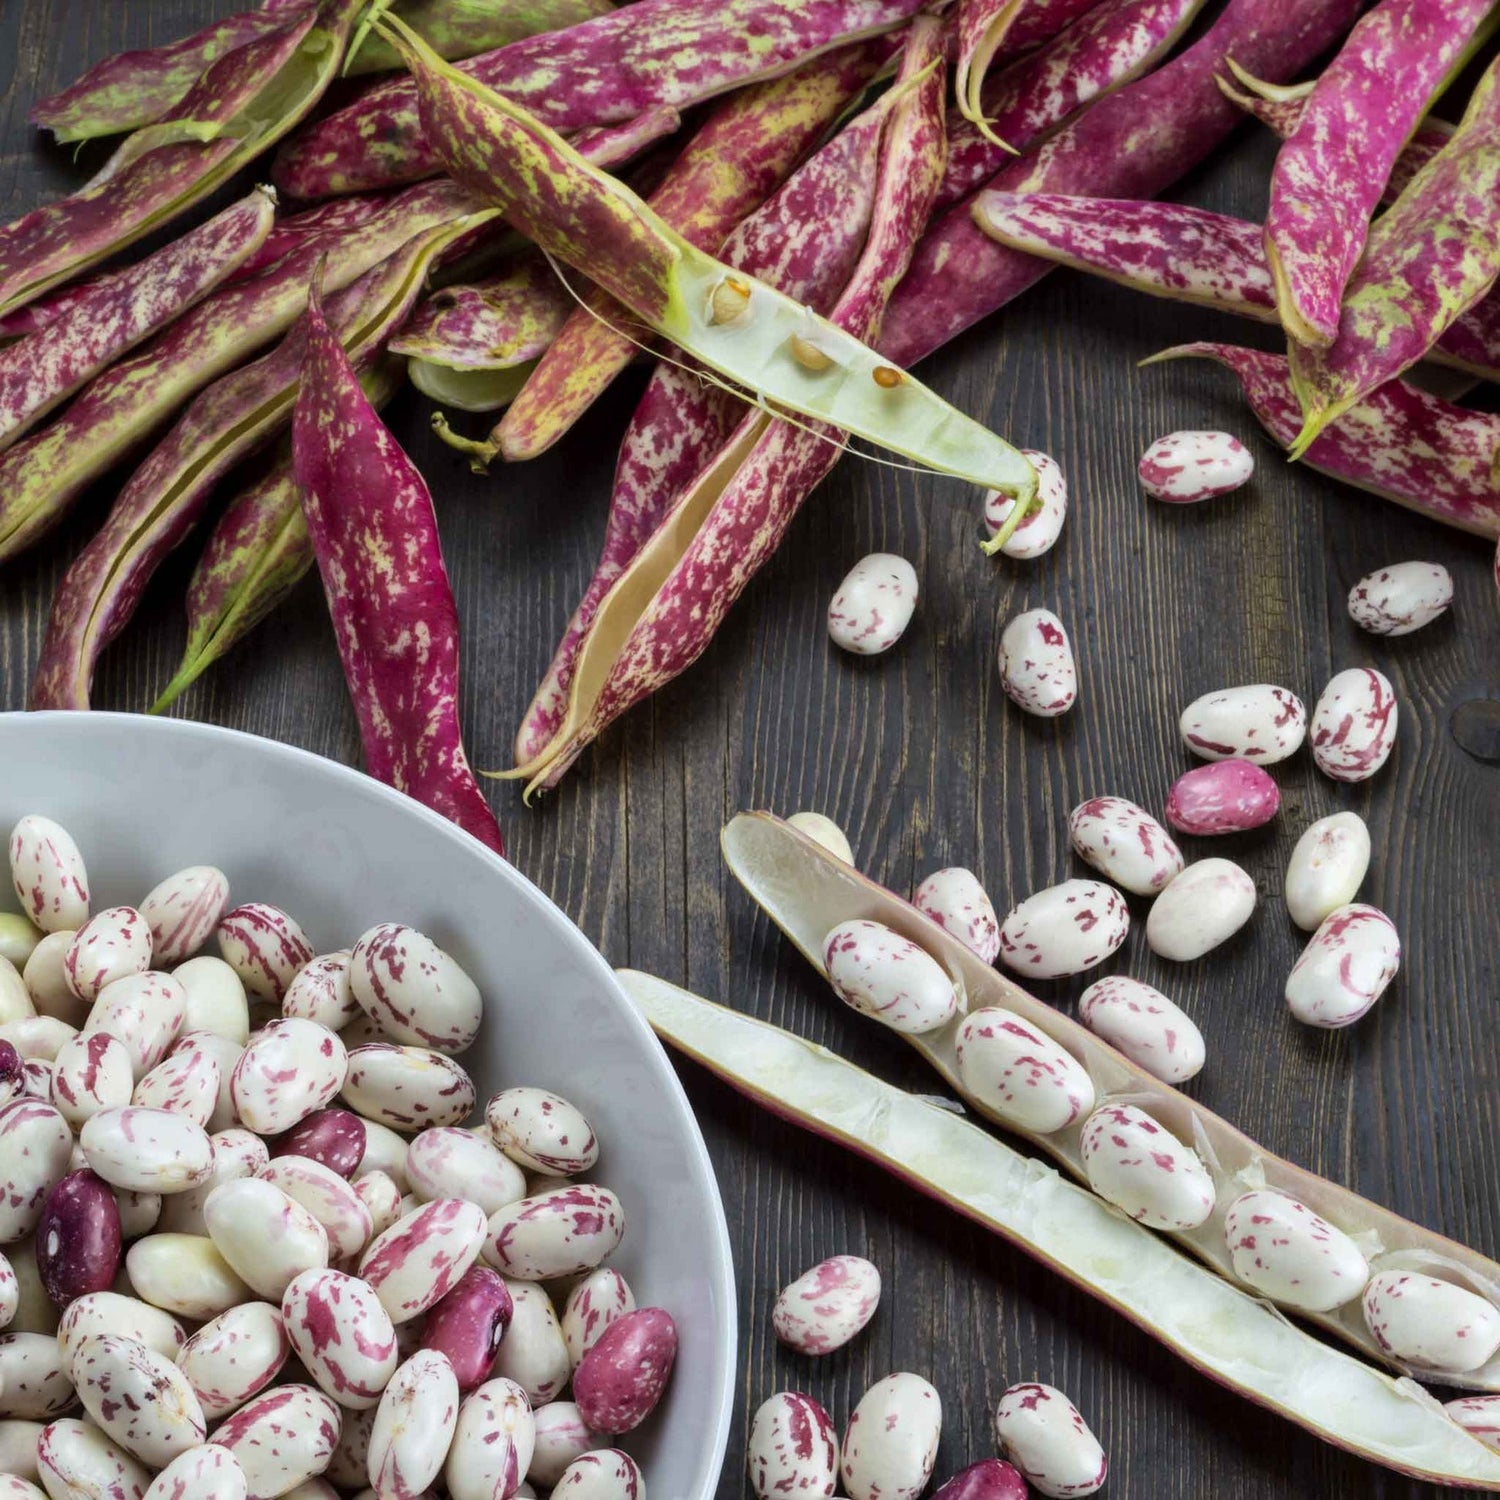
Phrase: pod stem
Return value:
(480, 451)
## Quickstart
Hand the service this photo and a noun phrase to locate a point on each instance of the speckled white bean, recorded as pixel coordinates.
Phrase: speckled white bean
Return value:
(378, 1192)
(1044, 1435)
(533, 1352)
(1401, 598)
(15, 1000)
(1258, 722)
(873, 604)
(349, 1465)
(1145, 1025)
(541, 1131)
(1479, 1415)
(236, 1154)
(35, 1144)
(12, 1487)
(1345, 967)
(1354, 725)
(75, 1459)
(1036, 663)
(413, 1426)
(413, 990)
(1183, 468)
(328, 1198)
(891, 1442)
(1282, 1248)
(1064, 929)
(886, 976)
(1042, 524)
(109, 1312)
(185, 1083)
(561, 1436)
(138, 1398)
(47, 983)
(492, 1442)
(1225, 796)
(793, 1449)
(265, 946)
(37, 1079)
(421, 1256)
(48, 874)
(321, 992)
(446, 1162)
(827, 1305)
(145, 1011)
(407, 1088)
(18, 1440)
(608, 1474)
(207, 1473)
(91, 1072)
(33, 1383)
(35, 1312)
(1137, 1164)
(342, 1335)
(147, 1150)
(1327, 868)
(1021, 1074)
(601, 1298)
(10, 1292)
(1204, 906)
(385, 1151)
(266, 1237)
(225, 1054)
(289, 1069)
(215, 999)
(557, 1233)
(825, 832)
(234, 1357)
(184, 1274)
(956, 901)
(1433, 1324)
(282, 1437)
(37, 1038)
(111, 945)
(1124, 842)
(183, 910)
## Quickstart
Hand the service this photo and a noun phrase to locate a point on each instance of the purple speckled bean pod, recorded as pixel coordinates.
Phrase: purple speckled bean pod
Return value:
(1333, 168)
(985, 30)
(78, 1238)
(1400, 442)
(465, 28)
(619, 1381)
(1134, 143)
(467, 1324)
(1226, 796)
(334, 1137)
(604, 72)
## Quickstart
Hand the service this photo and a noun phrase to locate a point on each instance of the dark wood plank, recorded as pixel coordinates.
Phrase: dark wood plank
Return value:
(921, 758)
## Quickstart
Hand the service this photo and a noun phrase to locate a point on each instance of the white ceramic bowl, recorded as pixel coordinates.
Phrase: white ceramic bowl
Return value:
(144, 797)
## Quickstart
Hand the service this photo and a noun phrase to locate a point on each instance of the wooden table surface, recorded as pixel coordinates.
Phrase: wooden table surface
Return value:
(920, 757)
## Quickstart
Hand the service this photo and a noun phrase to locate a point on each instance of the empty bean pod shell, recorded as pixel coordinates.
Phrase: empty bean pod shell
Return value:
(828, 1305)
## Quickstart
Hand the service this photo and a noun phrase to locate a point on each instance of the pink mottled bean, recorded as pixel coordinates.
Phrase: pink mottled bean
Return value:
(989, 1479)
(956, 901)
(828, 1305)
(1203, 906)
(341, 1333)
(48, 875)
(234, 1357)
(334, 1137)
(608, 1474)
(601, 1298)
(1479, 1415)
(320, 992)
(1354, 725)
(1045, 1436)
(561, 1437)
(561, 1232)
(147, 1150)
(75, 1459)
(35, 1144)
(110, 945)
(267, 1239)
(422, 1256)
(145, 1011)
(10, 1293)
(291, 1068)
(183, 910)
(1226, 796)
(1019, 1073)
(413, 990)
(1147, 1027)
(91, 1072)
(264, 946)
(138, 1398)
(1259, 722)
(78, 1238)
(381, 1198)
(884, 975)
(1039, 529)
(446, 1162)
(873, 605)
(793, 1449)
(619, 1381)
(1036, 663)
(1186, 467)
(1401, 598)
(225, 1054)
(1064, 929)
(467, 1324)
(542, 1132)
(1124, 842)
(186, 1082)
(492, 1443)
(206, 1473)
(1430, 1323)
(1345, 967)
(413, 1427)
(891, 1442)
(407, 1088)
(281, 1438)
(328, 1198)
(1143, 1169)
(1282, 1248)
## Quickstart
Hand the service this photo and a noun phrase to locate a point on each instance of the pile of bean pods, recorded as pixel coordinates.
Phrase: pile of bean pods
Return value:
(250, 1248)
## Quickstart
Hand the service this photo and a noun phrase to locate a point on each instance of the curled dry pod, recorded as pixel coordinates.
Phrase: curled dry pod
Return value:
(335, 1138)
(956, 901)
(1226, 796)
(320, 992)
(1203, 906)
(466, 1324)
(407, 1088)
(1327, 868)
(1045, 1436)
(145, 1011)
(421, 1257)
(109, 1312)
(541, 1131)
(1036, 664)
(890, 1444)
(1064, 929)
(447, 1162)
(888, 977)
(48, 875)
(492, 1443)
(265, 1237)
(282, 1437)
(1354, 724)
(35, 1144)
(413, 990)
(1424, 1321)
(111, 945)
(561, 1437)
(1021, 1075)
(872, 607)
(1143, 1169)
(147, 1150)
(1261, 723)
(1401, 598)
(793, 1449)
(1345, 967)
(619, 1381)
(328, 1198)
(343, 1336)
(1185, 467)
(78, 1237)
(91, 1072)
(1124, 842)
(414, 1425)
(561, 1232)
(828, 1305)
(183, 910)
(1282, 1248)
(533, 1352)
(184, 1274)
(1147, 1027)
(290, 1068)
(139, 1399)
(1038, 530)
(823, 831)
(264, 946)
(601, 1298)
(235, 1356)
(211, 1470)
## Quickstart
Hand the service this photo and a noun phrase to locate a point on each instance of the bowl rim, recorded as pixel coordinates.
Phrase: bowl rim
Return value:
(721, 1271)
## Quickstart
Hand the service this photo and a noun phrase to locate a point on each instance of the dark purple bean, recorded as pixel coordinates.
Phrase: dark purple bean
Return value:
(468, 1324)
(12, 1073)
(334, 1137)
(78, 1238)
(620, 1379)
(989, 1479)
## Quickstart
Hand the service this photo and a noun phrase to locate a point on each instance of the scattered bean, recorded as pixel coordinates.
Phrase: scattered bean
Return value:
(956, 901)
(1226, 796)
(1204, 906)
(793, 1449)
(467, 1324)
(1354, 725)
(35, 1144)
(1185, 467)
(873, 605)
(1401, 598)
(1345, 967)
(542, 1132)
(234, 1357)
(492, 1443)
(1064, 929)
(823, 831)
(145, 1011)
(602, 1297)
(336, 1138)
(207, 1473)
(281, 1437)
(414, 1426)
(48, 875)
(1147, 1027)
(1282, 1248)
(1327, 868)
(321, 992)
(891, 1442)
(183, 910)
(1143, 1169)
(407, 1088)
(1435, 1324)
(827, 1306)
(1045, 1436)
(619, 1381)
(886, 976)
(608, 1474)
(1036, 664)
(1042, 524)
(989, 1479)
(1261, 722)
(561, 1437)
(413, 990)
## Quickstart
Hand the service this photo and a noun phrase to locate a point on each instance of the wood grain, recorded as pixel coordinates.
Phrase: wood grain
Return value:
(919, 756)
